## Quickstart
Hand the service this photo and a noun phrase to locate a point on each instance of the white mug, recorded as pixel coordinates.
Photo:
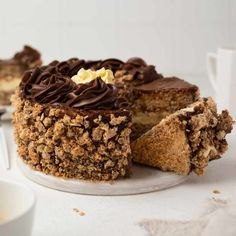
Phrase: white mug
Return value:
(17, 204)
(221, 68)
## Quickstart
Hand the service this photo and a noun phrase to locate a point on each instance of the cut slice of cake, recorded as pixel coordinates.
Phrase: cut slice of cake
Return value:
(72, 124)
(12, 70)
(186, 140)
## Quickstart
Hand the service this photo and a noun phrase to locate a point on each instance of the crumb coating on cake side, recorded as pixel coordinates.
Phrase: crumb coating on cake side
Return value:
(72, 144)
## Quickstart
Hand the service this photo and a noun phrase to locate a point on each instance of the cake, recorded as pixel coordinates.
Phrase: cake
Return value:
(11, 71)
(72, 127)
(73, 119)
(186, 140)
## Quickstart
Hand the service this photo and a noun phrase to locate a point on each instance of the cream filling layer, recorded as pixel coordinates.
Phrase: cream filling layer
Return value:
(9, 85)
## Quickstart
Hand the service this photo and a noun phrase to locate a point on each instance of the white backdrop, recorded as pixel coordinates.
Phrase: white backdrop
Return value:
(173, 34)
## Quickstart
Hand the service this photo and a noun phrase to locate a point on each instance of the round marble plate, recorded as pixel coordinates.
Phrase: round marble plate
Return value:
(143, 180)
(9, 111)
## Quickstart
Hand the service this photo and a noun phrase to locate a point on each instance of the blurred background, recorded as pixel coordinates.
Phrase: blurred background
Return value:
(175, 35)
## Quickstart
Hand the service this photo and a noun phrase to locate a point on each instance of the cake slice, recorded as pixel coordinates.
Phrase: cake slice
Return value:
(186, 140)
(11, 71)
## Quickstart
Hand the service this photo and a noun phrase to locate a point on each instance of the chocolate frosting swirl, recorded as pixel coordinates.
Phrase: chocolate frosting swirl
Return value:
(95, 94)
(52, 84)
(44, 87)
(140, 71)
(111, 63)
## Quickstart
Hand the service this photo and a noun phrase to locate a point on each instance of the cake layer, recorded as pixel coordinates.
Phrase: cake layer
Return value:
(8, 68)
(72, 143)
(10, 77)
(186, 140)
(9, 84)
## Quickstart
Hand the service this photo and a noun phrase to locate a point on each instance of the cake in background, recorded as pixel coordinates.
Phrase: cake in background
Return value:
(11, 71)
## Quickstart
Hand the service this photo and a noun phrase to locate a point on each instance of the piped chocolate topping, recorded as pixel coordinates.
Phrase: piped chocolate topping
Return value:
(52, 84)
(95, 95)
(140, 72)
(137, 68)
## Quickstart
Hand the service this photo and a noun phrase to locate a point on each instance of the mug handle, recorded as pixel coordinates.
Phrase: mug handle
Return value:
(211, 68)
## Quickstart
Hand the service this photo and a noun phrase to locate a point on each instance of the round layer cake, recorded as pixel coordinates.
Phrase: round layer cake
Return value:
(70, 128)
(72, 121)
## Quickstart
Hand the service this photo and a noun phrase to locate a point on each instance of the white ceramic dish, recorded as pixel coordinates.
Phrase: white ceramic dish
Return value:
(9, 111)
(17, 204)
(143, 180)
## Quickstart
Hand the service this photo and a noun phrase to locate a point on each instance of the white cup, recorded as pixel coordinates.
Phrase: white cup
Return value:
(17, 204)
(221, 69)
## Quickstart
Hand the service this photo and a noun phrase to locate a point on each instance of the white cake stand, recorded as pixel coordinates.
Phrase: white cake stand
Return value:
(143, 180)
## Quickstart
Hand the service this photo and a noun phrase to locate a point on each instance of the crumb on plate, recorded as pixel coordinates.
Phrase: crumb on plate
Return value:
(77, 210)
(216, 191)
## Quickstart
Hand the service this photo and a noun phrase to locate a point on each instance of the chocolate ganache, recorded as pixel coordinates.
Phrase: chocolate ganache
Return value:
(95, 94)
(140, 72)
(52, 84)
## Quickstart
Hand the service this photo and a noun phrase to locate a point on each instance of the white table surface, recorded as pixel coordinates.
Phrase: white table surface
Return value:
(120, 215)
